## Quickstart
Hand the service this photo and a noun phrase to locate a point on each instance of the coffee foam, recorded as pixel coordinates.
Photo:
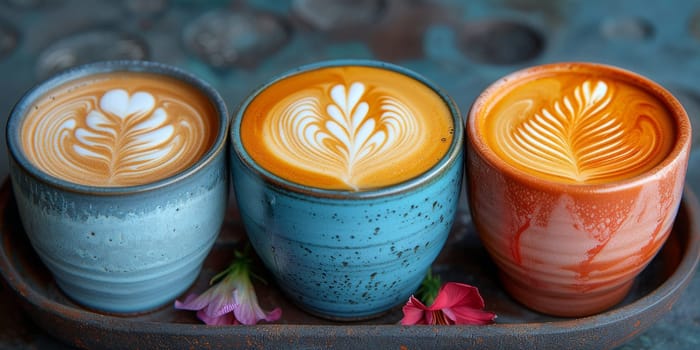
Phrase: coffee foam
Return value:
(350, 128)
(119, 129)
(578, 128)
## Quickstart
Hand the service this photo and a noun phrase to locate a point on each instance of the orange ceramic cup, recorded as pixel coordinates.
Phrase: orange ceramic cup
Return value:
(575, 174)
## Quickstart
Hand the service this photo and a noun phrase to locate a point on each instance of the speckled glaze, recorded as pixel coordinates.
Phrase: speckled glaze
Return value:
(122, 249)
(573, 249)
(341, 254)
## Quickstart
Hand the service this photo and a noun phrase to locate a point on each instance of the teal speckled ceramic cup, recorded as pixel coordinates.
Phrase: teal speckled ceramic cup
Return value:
(347, 175)
(120, 174)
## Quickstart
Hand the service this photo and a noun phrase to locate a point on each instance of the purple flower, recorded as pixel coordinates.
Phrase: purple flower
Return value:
(231, 299)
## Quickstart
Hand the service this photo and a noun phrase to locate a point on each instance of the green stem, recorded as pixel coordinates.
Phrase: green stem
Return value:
(240, 265)
(429, 289)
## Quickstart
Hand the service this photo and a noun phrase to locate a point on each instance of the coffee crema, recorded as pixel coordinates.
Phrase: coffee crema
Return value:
(119, 129)
(347, 128)
(578, 127)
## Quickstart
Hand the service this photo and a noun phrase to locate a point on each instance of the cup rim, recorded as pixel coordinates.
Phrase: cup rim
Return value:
(448, 159)
(680, 120)
(14, 123)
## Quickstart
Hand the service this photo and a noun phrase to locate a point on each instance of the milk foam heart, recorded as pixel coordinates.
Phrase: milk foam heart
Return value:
(118, 129)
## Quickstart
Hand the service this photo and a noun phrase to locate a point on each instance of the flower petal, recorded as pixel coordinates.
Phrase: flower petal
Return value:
(467, 315)
(248, 311)
(193, 302)
(220, 304)
(221, 301)
(273, 315)
(438, 317)
(214, 302)
(413, 312)
(226, 319)
(231, 300)
(453, 294)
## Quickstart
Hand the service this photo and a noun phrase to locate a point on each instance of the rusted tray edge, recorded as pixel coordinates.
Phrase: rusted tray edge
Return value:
(112, 331)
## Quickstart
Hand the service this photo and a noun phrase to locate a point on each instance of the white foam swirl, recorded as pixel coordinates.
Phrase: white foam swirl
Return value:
(120, 139)
(583, 137)
(350, 137)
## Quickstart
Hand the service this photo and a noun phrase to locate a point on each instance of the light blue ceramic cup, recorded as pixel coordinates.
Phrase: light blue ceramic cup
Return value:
(122, 249)
(348, 255)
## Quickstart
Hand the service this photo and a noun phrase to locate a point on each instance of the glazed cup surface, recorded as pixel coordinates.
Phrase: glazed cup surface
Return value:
(348, 255)
(126, 249)
(571, 249)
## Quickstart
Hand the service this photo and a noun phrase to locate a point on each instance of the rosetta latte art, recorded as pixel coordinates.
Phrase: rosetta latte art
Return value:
(117, 139)
(348, 137)
(589, 136)
(347, 128)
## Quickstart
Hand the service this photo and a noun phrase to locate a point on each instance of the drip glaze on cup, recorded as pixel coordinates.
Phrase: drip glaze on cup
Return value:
(575, 175)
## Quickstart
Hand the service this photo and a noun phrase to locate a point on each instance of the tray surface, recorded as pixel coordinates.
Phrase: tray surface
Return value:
(463, 259)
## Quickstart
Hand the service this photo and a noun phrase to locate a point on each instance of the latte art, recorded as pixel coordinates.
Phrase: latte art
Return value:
(352, 128)
(108, 136)
(591, 131)
(350, 136)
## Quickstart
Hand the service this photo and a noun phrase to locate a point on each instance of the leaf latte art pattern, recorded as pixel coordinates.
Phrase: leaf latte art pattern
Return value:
(345, 138)
(591, 135)
(117, 139)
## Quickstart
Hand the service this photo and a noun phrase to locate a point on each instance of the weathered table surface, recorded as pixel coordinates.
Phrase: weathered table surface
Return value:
(461, 45)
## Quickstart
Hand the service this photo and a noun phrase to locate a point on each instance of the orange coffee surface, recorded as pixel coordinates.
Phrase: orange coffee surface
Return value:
(119, 129)
(347, 128)
(577, 127)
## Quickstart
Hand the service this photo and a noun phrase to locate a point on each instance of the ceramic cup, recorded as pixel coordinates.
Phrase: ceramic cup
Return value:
(575, 174)
(120, 174)
(347, 176)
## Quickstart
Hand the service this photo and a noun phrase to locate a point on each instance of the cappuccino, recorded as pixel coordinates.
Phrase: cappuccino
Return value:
(119, 129)
(578, 127)
(347, 175)
(87, 148)
(575, 175)
(347, 128)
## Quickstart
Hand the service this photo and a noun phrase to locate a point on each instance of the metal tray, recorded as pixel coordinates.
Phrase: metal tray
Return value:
(463, 259)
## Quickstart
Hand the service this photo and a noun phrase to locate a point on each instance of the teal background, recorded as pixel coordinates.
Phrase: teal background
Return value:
(463, 46)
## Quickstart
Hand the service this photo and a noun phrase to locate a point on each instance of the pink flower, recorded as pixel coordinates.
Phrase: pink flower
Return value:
(231, 300)
(456, 303)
